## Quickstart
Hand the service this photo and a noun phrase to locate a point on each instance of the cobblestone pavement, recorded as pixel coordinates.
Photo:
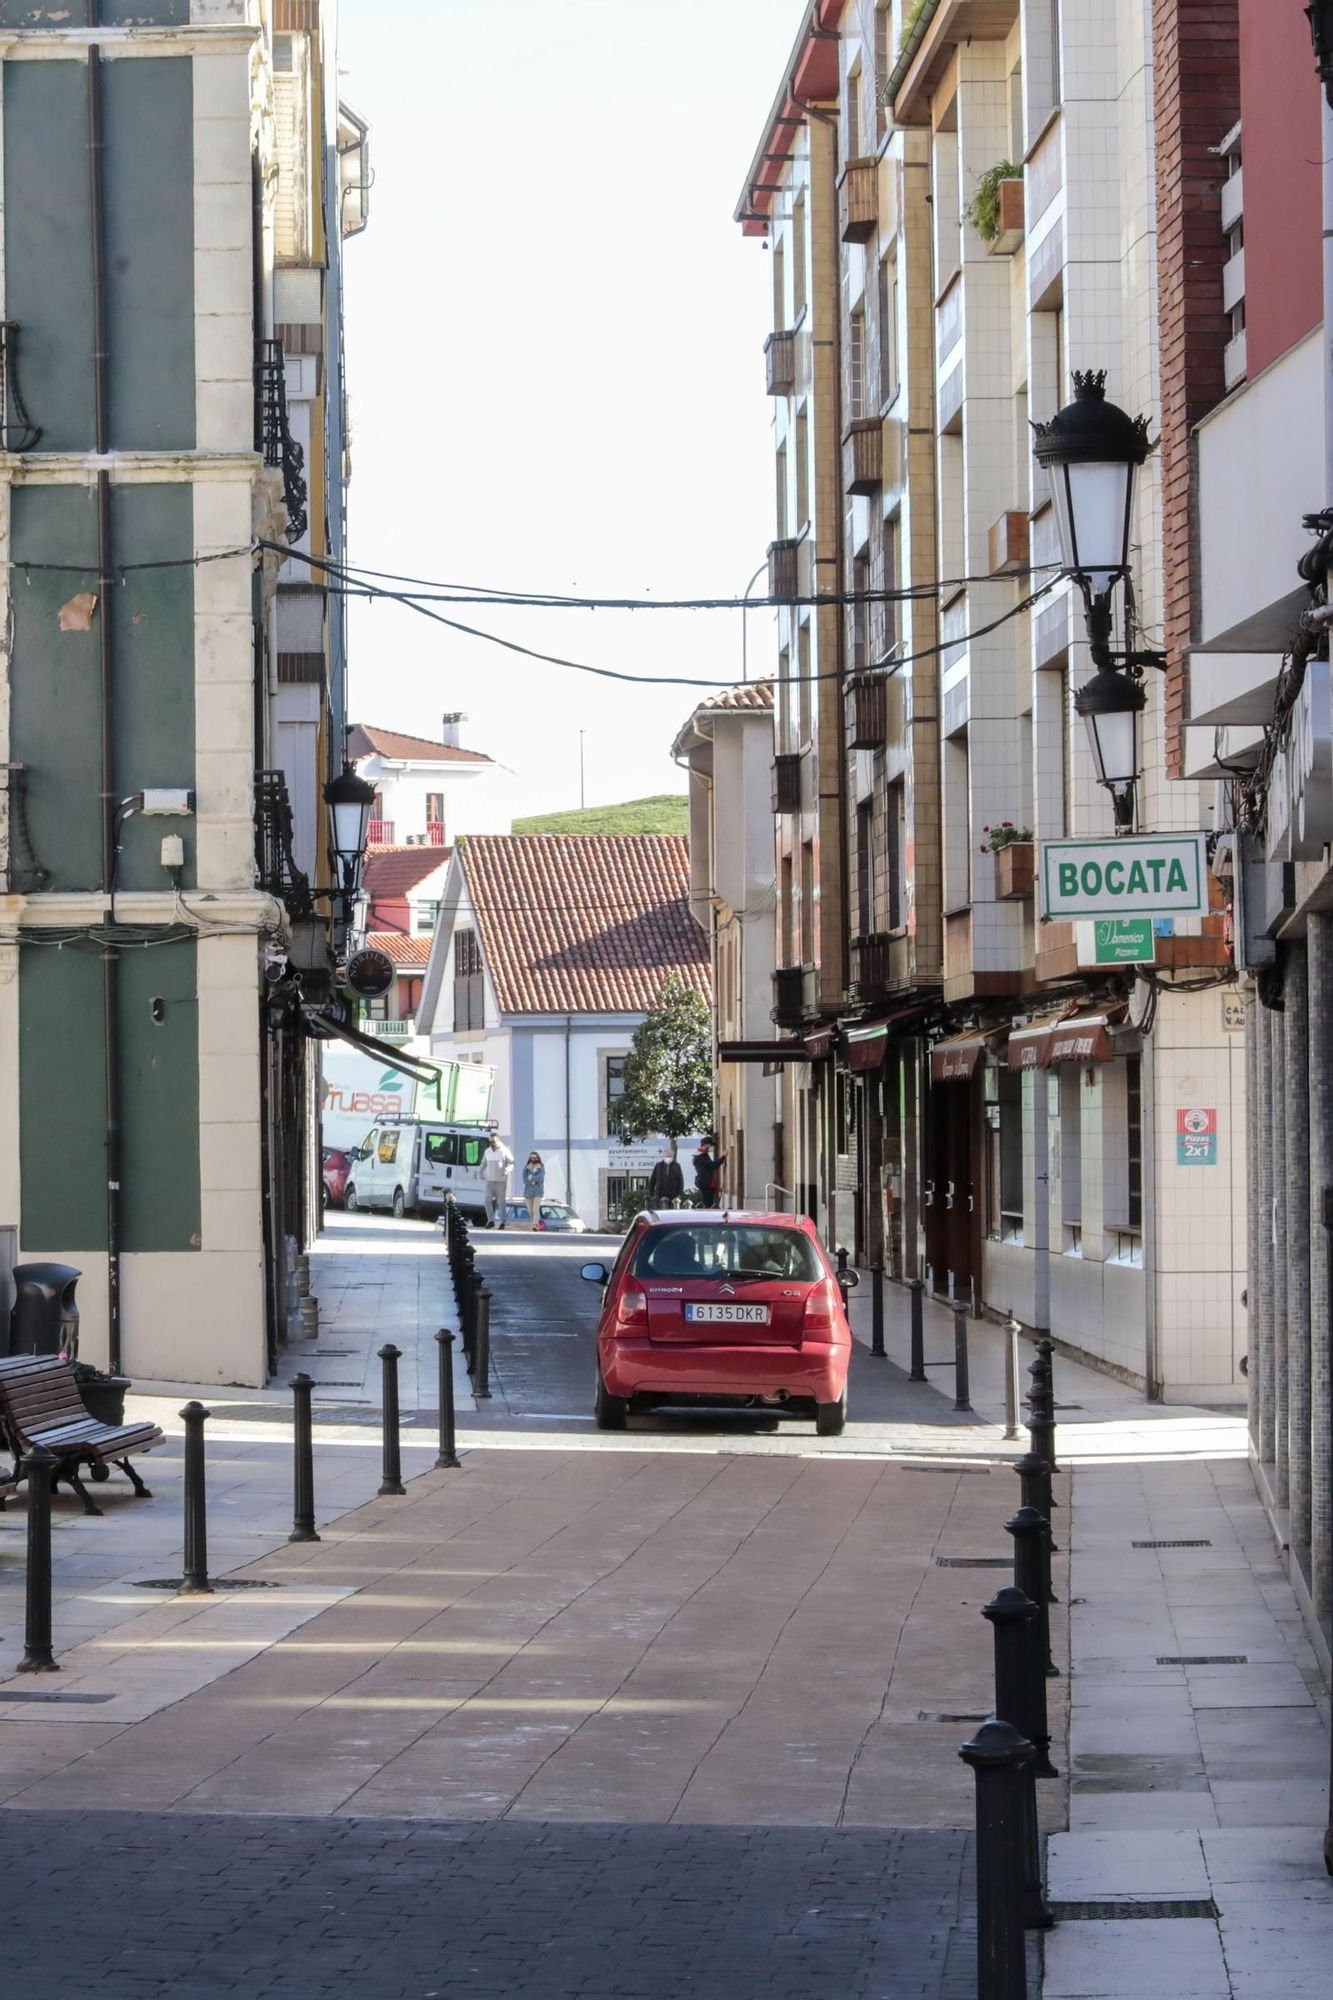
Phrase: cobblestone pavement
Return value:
(398, 1910)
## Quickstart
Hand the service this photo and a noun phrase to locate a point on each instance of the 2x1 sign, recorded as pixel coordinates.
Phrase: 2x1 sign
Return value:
(1139, 875)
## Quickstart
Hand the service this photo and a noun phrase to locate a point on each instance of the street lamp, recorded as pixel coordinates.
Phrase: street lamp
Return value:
(1091, 452)
(350, 801)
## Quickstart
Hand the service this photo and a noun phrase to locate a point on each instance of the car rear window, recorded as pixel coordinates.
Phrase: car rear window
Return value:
(728, 1250)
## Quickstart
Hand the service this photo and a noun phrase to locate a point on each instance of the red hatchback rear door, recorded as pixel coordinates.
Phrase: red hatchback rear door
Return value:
(726, 1284)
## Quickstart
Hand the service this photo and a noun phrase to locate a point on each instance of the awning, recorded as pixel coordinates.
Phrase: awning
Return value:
(866, 1046)
(1029, 1048)
(955, 1061)
(1081, 1040)
(388, 1053)
(742, 1052)
(819, 1045)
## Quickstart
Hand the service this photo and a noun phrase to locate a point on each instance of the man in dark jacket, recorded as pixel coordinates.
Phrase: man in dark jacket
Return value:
(666, 1182)
(706, 1169)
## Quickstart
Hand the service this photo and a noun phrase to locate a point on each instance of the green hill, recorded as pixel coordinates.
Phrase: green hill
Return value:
(669, 812)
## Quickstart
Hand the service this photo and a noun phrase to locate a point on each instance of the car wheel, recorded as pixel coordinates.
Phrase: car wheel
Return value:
(397, 1204)
(610, 1411)
(830, 1418)
(350, 1201)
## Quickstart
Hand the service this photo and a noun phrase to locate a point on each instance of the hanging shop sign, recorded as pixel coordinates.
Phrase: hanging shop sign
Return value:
(956, 1061)
(1300, 784)
(1029, 1047)
(1138, 875)
(1125, 941)
(1082, 1040)
(1196, 1137)
(370, 973)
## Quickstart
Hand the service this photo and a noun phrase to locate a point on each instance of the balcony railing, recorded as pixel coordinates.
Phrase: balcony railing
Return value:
(435, 833)
(788, 996)
(857, 206)
(780, 356)
(388, 1031)
(275, 863)
(787, 783)
(870, 965)
(275, 440)
(379, 833)
(863, 455)
(17, 431)
(783, 571)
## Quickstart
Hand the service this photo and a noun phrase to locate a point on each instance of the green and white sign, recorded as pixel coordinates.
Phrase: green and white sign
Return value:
(1138, 875)
(1125, 941)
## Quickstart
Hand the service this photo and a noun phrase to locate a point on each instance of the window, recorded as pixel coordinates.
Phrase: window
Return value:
(853, 132)
(467, 952)
(469, 983)
(1070, 1083)
(787, 914)
(1011, 1152)
(856, 365)
(442, 1149)
(888, 611)
(387, 1151)
(883, 66)
(614, 1090)
(779, 286)
(782, 492)
(434, 806)
(802, 470)
(805, 691)
(865, 868)
(897, 841)
(715, 1250)
(428, 915)
(860, 611)
(888, 329)
(375, 1010)
(1134, 1123)
(786, 703)
(807, 902)
(1017, 128)
(798, 256)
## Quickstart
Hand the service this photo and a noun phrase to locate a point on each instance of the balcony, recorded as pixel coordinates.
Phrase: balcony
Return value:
(276, 871)
(780, 363)
(863, 455)
(870, 965)
(857, 201)
(1008, 544)
(1008, 219)
(787, 783)
(788, 996)
(783, 577)
(867, 711)
(275, 441)
(379, 833)
(435, 833)
(388, 1031)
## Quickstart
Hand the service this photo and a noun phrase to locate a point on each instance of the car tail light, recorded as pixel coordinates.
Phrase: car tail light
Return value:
(820, 1318)
(633, 1304)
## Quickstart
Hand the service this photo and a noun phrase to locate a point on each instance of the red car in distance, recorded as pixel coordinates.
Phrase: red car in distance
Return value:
(336, 1165)
(722, 1306)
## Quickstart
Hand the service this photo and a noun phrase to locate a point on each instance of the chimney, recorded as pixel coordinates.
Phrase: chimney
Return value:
(452, 734)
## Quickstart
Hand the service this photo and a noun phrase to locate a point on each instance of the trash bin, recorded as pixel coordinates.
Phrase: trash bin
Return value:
(44, 1319)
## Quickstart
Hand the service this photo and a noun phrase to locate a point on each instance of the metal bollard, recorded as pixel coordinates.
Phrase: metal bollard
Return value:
(997, 1754)
(392, 1480)
(481, 1353)
(1029, 1530)
(448, 1460)
(918, 1369)
(960, 1382)
(1035, 1487)
(310, 1317)
(1011, 1398)
(1041, 1404)
(194, 1582)
(842, 1261)
(38, 1467)
(467, 1283)
(1012, 1618)
(877, 1313)
(303, 1474)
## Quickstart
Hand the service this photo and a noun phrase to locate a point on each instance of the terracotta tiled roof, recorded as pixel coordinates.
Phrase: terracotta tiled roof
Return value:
(404, 951)
(391, 871)
(366, 740)
(747, 694)
(584, 923)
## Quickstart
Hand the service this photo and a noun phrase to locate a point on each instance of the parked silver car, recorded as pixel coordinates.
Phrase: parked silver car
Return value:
(555, 1217)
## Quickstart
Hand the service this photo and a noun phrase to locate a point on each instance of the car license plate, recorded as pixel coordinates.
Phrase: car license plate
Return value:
(754, 1315)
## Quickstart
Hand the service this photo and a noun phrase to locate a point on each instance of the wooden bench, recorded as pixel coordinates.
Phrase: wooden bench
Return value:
(40, 1404)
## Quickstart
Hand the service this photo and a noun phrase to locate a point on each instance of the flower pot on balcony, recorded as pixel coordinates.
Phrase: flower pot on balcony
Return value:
(1014, 867)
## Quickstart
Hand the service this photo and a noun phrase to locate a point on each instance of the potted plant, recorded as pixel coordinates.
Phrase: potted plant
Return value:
(996, 208)
(103, 1395)
(1014, 858)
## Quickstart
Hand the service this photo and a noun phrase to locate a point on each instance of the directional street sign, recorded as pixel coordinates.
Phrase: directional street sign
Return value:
(1138, 875)
(1125, 941)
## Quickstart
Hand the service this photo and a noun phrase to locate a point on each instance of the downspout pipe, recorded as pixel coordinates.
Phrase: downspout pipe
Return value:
(106, 662)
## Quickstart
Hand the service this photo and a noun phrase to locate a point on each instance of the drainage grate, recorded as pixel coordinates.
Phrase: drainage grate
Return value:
(331, 1382)
(950, 1471)
(943, 1715)
(1203, 1660)
(974, 1562)
(1067, 1406)
(219, 1583)
(1115, 1913)
(1170, 1545)
(68, 1699)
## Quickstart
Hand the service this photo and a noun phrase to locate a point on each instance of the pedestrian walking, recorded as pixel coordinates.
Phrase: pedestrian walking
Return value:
(496, 1162)
(707, 1173)
(534, 1187)
(666, 1182)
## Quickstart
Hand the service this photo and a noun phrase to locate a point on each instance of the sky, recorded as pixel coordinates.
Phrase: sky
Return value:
(555, 364)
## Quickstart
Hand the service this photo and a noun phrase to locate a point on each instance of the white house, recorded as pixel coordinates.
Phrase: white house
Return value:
(549, 950)
(428, 793)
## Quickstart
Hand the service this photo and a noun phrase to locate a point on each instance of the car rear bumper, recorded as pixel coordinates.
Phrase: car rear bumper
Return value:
(640, 1367)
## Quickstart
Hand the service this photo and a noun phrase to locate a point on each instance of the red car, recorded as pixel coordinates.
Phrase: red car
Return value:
(336, 1166)
(722, 1306)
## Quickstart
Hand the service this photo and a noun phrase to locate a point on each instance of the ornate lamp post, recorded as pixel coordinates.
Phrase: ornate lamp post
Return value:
(350, 801)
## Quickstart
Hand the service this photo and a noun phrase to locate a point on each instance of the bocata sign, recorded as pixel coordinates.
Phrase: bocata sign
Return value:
(1140, 875)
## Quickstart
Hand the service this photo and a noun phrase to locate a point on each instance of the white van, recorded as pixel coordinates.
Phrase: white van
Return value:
(408, 1165)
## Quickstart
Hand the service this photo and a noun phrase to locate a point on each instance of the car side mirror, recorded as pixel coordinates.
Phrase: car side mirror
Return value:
(596, 1274)
(849, 1280)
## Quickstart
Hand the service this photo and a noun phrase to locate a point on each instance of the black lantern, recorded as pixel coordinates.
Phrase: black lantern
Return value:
(1111, 704)
(350, 801)
(1091, 452)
